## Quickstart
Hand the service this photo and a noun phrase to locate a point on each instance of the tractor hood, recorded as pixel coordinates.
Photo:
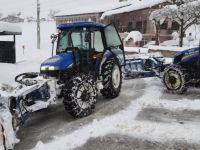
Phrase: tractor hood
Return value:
(58, 62)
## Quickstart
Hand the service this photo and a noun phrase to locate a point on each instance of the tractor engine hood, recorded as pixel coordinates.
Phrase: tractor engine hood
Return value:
(58, 62)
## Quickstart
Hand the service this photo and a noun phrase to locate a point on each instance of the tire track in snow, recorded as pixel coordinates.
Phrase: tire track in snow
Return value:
(110, 124)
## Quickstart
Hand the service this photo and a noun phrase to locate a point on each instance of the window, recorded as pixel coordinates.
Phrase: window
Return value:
(80, 39)
(114, 42)
(97, 42)
(175, 26)
(139, 25)
(164, 26)
(130, 26)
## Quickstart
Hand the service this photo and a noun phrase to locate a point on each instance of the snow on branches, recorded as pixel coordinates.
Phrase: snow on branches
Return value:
(184, 12)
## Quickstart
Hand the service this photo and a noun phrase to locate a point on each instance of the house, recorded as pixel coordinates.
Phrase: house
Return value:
(127, 16)
(91, 12)
(135, 17)
(12, 19)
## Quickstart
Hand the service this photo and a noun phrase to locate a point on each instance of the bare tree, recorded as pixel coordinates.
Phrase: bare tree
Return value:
(184, 12)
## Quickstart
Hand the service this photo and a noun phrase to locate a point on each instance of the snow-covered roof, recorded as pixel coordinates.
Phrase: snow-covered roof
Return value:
(91, 6)
(9, 29)
(135, 5)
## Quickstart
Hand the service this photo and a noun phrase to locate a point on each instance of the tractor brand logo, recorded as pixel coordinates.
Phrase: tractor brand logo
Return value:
(191, 52)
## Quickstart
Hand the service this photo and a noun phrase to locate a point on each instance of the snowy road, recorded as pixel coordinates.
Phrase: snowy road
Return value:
(54, 121)
(143, 117)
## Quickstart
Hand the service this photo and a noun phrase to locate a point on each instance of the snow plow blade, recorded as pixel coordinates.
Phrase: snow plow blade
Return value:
(143, 67)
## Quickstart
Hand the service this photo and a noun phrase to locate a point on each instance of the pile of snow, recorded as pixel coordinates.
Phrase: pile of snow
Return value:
(6, 122)
(136, 36)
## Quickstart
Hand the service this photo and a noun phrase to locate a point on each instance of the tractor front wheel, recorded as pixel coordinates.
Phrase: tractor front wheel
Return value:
(175, 79)
(80, 95)
(112, 78)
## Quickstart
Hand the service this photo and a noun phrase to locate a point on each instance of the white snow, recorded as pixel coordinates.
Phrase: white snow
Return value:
(91, 6)
(125, 122)
(9, 133)
(168, 48)
(135, 5)
(8, 27)
(136, 50)
(136, 36)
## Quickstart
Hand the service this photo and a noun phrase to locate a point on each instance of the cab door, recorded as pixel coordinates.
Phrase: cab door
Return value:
(114, 42)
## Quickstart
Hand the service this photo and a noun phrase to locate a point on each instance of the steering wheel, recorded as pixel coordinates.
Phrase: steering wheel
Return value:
(81, 46)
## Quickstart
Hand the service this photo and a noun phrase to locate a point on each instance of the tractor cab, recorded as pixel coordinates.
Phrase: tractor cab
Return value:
(86, 43)
(83, 45)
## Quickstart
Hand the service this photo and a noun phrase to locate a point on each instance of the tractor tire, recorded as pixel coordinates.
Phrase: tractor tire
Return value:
(175, 79)
(80, 95)
(112, 78)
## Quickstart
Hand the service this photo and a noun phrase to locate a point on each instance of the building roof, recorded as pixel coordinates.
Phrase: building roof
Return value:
(9, 29)
(80, 24)
(135, 5)
(91, 6)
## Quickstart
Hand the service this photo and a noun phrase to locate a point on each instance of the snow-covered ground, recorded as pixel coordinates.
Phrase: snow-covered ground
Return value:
(151, 115)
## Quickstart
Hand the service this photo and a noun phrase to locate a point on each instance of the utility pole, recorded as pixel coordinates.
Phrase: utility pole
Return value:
(38, 24)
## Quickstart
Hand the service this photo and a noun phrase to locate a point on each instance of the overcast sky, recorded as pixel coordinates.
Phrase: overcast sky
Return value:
(28, 7)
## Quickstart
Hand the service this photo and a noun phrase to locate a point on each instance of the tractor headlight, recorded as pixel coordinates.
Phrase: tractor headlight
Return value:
(50, 68)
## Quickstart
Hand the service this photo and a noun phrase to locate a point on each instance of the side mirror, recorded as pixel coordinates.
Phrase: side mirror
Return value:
(53, 38)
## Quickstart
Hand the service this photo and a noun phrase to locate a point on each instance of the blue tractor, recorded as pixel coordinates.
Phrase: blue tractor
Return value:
(88, 58)
(184, 72)
(177, 77)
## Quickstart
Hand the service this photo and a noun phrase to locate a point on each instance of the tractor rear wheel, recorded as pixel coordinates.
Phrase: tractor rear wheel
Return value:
(112, 78)
(175, 79)
(80, 95)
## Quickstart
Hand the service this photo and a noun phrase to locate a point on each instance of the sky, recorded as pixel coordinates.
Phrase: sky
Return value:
(28, 7)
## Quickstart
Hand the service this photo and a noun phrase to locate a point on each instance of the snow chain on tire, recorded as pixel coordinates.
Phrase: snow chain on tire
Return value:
(175, 79)
(110, 90)
(80, 95)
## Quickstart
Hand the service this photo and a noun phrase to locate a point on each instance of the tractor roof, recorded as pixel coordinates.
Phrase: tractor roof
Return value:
(80, 24)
